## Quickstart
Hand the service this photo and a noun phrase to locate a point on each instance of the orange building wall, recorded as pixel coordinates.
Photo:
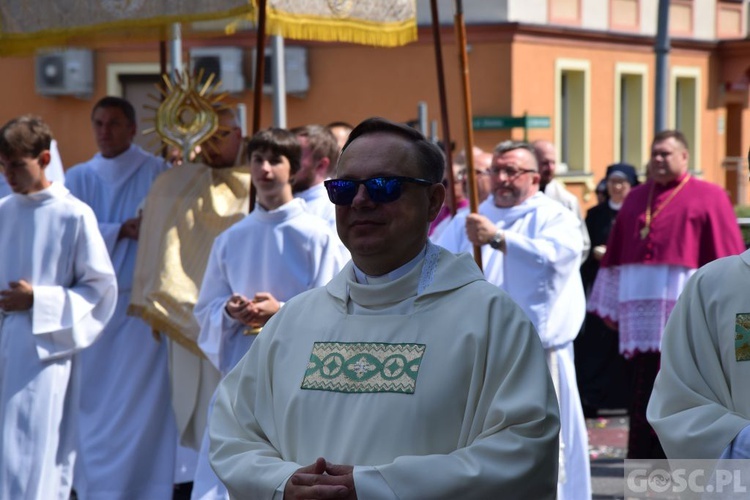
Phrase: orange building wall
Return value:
(348, 83)
(533, 91)
(510, 73)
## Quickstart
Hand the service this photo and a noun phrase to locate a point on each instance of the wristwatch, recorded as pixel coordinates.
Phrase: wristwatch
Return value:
(497, 240)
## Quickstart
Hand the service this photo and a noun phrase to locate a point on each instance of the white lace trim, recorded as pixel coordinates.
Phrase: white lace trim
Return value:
(639, 298)
(429, 268)
(642, 324)
(604, 300)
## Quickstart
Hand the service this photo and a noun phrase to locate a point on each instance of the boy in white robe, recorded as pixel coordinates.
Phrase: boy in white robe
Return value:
(275, 253)
(407, 376)
(58, 291)
(531, 248)
(127, 427)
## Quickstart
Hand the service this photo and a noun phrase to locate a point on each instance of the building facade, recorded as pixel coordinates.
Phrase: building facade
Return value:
(582, 69)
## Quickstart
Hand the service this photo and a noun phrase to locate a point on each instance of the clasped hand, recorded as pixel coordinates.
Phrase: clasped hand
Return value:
(19, 297)
(253, 313)
(321, 480)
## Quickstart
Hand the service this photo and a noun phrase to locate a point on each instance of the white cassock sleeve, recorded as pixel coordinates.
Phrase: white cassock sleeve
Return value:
(67, 319)
(692, 408)
(553, 248)
(210, 309)
(541, 272)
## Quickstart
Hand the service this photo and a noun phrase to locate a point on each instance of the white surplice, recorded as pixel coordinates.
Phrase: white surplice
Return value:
(285, 252)
(51, 240)
(540, 271)
(700, 402)
(318, 203)
(392, 378)
(128, 432)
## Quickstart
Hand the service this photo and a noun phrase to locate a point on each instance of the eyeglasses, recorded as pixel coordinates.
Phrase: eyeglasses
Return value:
(463, 174)
(379, 189)
(510, 172)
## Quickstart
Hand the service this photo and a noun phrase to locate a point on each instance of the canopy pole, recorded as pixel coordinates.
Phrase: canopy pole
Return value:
(662, 67)
(260, 66)
(279, 81)
(443, 105)
(468, 126)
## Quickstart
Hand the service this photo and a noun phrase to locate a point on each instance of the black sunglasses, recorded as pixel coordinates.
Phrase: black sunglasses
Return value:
(379, 189)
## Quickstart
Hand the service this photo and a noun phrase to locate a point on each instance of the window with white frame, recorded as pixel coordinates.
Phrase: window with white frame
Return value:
(572, 114)
(630, 114)
(685, 116)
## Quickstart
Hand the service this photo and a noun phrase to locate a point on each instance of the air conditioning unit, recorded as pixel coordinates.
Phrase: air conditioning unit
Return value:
(65, 72)
(295, 71)
(224, 62)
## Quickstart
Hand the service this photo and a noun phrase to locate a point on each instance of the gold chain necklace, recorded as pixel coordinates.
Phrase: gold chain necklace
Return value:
(649, 217)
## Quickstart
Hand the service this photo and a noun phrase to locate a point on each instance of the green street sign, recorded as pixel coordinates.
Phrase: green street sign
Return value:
(506, 122)
(537, 122)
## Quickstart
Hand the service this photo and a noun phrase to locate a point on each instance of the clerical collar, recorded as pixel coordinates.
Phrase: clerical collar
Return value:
(366, 279)
(613, 205)
(671, 184)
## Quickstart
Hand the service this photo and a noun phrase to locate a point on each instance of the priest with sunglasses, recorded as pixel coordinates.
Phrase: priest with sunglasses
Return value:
(407, 376)
(531, 247)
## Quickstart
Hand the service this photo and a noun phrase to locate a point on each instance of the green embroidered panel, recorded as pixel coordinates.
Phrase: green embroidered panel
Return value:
(359, 367)
(742, 337)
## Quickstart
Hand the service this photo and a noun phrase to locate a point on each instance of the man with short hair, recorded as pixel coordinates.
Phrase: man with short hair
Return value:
(320, 152)
(665, 230)
(531, 250)
(374, 386)
(125, 404)
(546, 157)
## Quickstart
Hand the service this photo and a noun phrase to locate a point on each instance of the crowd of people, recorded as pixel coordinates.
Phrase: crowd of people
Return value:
(162, 338)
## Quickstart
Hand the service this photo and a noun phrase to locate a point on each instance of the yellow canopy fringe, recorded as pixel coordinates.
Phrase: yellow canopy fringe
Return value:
(381, 23)
(342, 30)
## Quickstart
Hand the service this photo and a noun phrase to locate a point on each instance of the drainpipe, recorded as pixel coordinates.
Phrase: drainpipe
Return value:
(662, 66)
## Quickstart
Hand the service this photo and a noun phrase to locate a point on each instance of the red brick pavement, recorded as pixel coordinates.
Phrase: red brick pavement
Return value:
(608, 437)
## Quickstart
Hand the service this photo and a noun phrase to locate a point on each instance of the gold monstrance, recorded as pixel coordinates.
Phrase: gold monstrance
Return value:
(187, 115)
